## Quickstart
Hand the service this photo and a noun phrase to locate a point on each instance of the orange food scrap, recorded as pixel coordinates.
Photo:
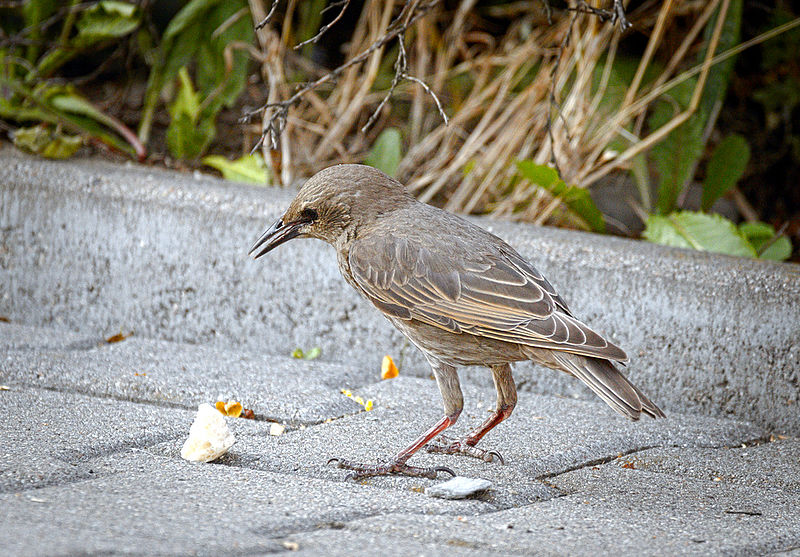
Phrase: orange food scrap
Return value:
(388, 369)
(248, 414)
(231, 408)
(119, 337)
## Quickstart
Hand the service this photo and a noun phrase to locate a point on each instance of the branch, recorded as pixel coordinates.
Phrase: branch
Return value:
(315, 38)
(401, 72)
(410, 13)
(615, 14)
(271, 12)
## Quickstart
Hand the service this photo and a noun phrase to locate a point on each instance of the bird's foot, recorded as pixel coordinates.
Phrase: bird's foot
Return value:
(386, 468)
(446, 445)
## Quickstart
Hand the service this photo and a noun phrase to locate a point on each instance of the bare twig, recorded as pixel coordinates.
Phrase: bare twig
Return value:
(552, 95)
(280, 110)
(614, 15)
(324, 28)
(401, 72)
(271, 12)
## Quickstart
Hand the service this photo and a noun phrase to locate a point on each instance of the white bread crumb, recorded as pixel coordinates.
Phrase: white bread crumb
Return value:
(209, 436)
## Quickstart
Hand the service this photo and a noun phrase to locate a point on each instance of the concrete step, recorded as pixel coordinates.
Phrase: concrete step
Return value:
(98, 247)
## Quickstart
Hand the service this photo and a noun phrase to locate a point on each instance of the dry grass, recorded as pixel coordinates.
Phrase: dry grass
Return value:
(536, 92)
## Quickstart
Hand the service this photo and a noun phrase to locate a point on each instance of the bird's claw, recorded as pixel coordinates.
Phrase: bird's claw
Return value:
(446, 446)
(386, 468)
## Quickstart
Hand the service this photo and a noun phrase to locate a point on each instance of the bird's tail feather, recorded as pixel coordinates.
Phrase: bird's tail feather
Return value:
(609, 384)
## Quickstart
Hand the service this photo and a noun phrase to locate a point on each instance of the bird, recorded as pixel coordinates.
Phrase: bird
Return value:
(460, 294)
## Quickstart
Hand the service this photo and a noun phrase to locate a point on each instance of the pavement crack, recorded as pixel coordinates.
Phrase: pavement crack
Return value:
(594, 462)
(85, 454)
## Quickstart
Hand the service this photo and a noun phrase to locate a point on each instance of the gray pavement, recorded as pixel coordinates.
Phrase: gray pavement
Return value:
(97, 248)
(90, 464)
(91, 432)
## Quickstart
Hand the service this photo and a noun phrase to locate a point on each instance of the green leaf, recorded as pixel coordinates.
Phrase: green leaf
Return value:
(700, 231)
(187, 101)
(34, 13)
(100, 23)
(47, 142)
(249, 169)
(577, 200)
(719, 74)
(310, 355)
(218, 83)
(106, 20)
(760, 234)
(55, 104)
(676, 155)
(387, 151)
(725, 168)
(188, 134)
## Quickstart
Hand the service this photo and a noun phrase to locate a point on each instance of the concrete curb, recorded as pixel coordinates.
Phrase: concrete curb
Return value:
(99, 247)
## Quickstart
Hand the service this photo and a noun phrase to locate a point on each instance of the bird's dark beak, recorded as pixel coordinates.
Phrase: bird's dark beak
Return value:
(274, 236)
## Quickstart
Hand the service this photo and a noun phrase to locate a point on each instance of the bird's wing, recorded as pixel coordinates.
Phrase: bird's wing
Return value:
(496, 295)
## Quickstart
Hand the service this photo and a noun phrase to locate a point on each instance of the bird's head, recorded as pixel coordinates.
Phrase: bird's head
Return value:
(333, 204)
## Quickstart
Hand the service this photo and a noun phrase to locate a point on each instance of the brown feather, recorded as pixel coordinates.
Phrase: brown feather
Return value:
(506, 300)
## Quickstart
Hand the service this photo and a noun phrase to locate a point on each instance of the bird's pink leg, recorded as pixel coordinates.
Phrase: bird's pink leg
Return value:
(497, 416)
(447, 379)
(397, 465)
(506, 400)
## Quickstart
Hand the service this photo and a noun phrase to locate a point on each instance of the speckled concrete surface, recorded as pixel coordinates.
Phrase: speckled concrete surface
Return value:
(90, 463)
(98, 248)
(91, 432)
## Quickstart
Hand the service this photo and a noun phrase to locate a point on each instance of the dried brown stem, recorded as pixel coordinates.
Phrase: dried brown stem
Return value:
(269, 15)
(401, 73)
(324, 28)
(280, 110)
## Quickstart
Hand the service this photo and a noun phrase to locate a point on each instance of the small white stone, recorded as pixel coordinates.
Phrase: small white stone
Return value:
(458, 488)
(276, 429)
(209, 436)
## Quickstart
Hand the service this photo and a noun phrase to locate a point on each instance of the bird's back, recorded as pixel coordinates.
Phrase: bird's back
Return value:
(423, 265)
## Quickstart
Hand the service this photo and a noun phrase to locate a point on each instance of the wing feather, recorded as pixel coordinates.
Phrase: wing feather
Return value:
(496, 295)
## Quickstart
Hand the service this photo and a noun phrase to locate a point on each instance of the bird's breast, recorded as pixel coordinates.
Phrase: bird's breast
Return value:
(458, 349)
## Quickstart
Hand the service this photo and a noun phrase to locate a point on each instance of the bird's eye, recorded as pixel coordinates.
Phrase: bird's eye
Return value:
(309, 214)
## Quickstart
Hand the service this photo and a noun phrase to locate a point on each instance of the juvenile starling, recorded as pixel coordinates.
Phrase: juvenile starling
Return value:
(460, 294)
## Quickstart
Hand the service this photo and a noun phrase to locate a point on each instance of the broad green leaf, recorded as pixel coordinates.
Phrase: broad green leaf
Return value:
(218, 84)
(577, 200)
(700, 231)
(187, 101)
(676, 155)
(99, 23)
(719, 74)
(66, 99)
(725, 168)
(249, 169)
(387, 151)
(187, 138)
(106, 20)
(188, 133)
(760, 234)
(47, 142)
(39, 106)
